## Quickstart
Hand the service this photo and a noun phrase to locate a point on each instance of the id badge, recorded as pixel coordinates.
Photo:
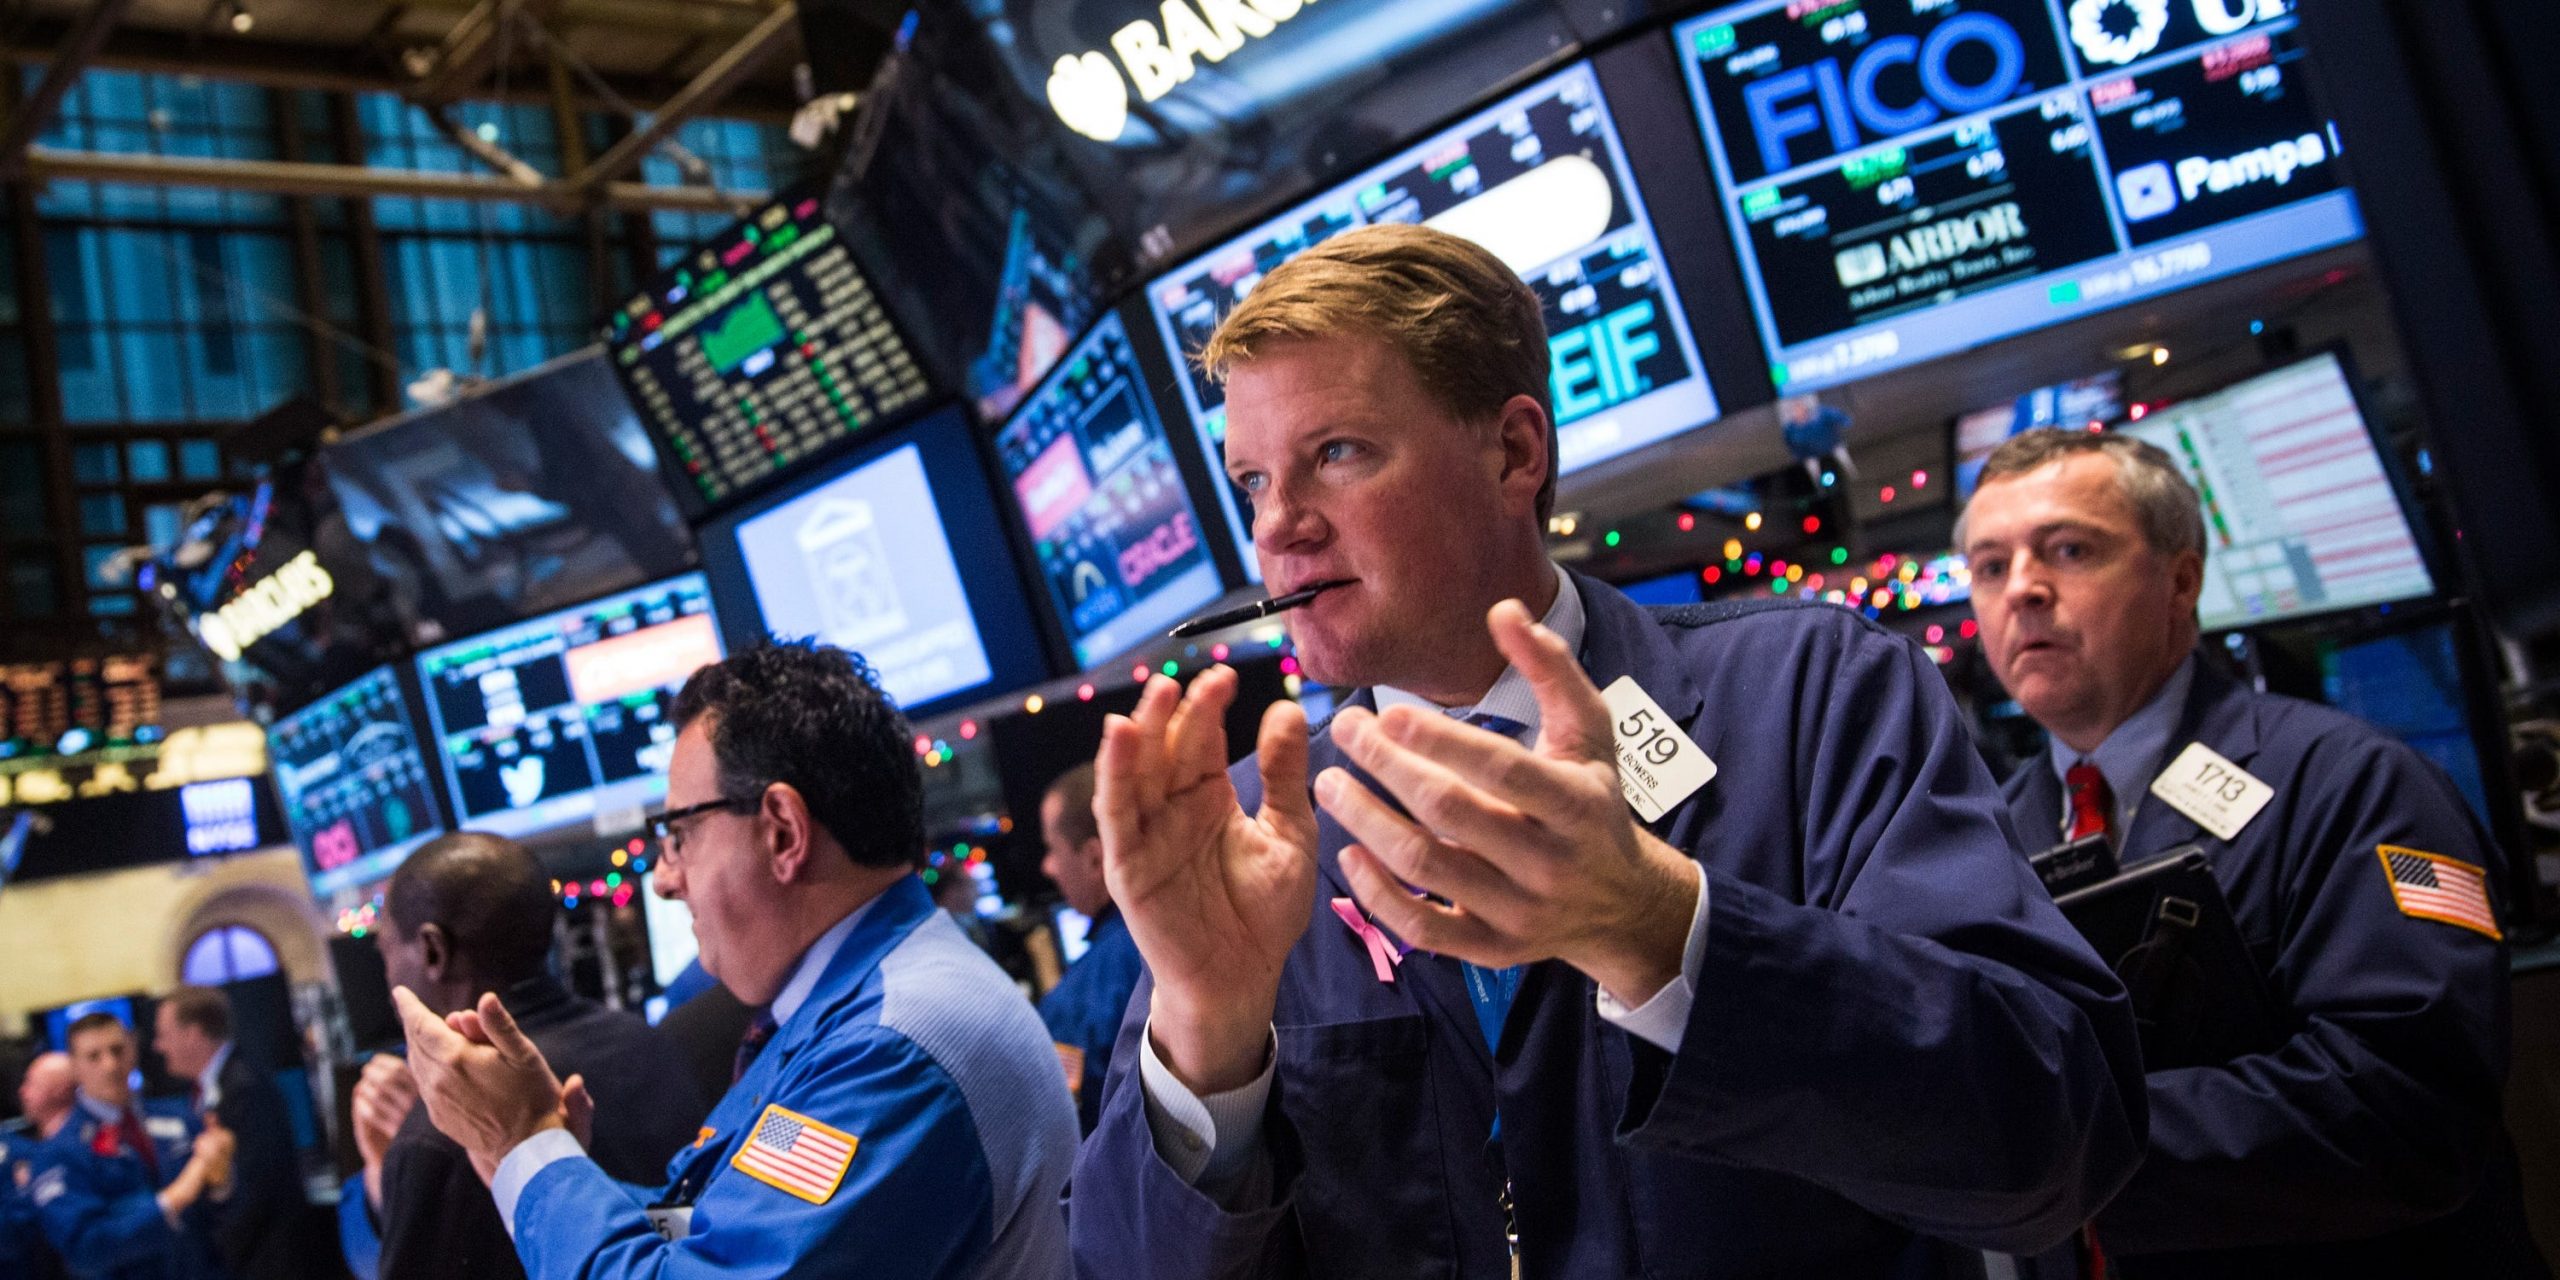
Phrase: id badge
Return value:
(670, 1221)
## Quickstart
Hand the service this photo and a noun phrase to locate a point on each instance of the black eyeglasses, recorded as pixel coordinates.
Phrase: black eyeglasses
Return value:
(663, 825)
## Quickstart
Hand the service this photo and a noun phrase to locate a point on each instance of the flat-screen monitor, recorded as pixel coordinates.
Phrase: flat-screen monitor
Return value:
(56, 1023)
(358, 794)
(521, 497)
(2093, 401)
(2300, 516)
(897, 554)
(761, 347)
(567, 717)
(1539, 178)
(2409, 685)
(1119, 543)
(1909, 181)
(71, 706)
(671, 941)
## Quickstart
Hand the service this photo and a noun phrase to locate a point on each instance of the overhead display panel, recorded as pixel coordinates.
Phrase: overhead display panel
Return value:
(760, 348)
(1540, 179)
(358, 793)
(2301, 517)
(568, 717)
(1119, 543)
(1910, 178)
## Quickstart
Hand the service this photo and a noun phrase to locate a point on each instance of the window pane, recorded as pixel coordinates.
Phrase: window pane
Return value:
(93, 564)
(199, 460)
(161, 524)
(153, 373)
(149, 460)
(102, 514)
(115, 605)
(97, 463)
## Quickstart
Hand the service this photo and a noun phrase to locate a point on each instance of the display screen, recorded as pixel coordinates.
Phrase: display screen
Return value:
(2300, 517)
(1119, 543)
(568, 717)
(671, 942)
(1910, 178)
(2410, 686)
(358, 795)
(862, 562)
(78, 705)
(1541, 180)
(2093, 402)
(760, 348)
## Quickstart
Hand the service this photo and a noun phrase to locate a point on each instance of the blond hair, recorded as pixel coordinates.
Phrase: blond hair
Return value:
(1474, 333)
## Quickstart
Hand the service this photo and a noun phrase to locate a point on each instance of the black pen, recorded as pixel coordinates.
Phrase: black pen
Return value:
(1248, 612)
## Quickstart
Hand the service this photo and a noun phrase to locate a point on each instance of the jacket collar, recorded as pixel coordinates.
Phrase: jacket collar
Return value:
(878, 927)
(2217, 714)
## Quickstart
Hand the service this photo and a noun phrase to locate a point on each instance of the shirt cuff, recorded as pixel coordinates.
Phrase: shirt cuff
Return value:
(1208, 1142)
(1662, 1020)
(531, 1156)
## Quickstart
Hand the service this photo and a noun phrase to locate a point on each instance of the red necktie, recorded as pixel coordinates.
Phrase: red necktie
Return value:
(2093, 805)
(129, 1129)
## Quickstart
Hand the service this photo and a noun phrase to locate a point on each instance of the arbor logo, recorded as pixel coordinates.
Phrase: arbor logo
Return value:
(1089, 94)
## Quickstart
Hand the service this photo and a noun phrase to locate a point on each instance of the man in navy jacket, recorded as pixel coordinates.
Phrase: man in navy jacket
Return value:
(2368, 1141)
(1083, 1011)
(1733, 971)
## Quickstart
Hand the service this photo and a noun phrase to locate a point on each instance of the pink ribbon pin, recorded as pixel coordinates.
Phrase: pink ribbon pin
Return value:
(1384, 956)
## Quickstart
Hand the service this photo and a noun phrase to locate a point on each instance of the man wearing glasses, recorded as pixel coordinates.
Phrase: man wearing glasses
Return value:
(897, 1110)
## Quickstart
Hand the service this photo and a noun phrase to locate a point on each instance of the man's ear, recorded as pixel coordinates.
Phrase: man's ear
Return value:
(1527, 440)
(435, 951)
(789, 832)
(1091, 852)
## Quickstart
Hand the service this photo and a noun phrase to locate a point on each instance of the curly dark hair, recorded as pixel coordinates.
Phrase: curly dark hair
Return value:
(815, 716)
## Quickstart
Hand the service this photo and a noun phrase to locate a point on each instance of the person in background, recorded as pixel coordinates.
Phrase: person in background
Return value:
(1446, 988)
(1083, 1010)
(44, 1104)
(2369, 1142)
(467, 915)
(897, 1111)
(956, 892)
(127, 1189)
(258, 1232)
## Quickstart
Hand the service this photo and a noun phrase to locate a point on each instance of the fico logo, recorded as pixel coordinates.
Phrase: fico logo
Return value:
(1089, 94)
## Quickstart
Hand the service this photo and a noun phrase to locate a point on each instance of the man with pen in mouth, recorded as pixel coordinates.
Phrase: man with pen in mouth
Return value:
(1585, 940)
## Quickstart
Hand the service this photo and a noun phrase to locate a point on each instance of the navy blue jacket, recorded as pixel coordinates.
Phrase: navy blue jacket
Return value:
(2369, 1143)
(23, 1251)
(1083, 1011)
(98, 1200)
(260, 1227)
(1895, 1037)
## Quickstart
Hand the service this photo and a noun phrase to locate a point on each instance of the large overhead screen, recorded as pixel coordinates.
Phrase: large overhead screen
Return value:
(900, 556)
(760, 348)
(2300, 516)
(567, 717)
(1119, 543)
(1909, 179)
(358, 794)
(1541, 179)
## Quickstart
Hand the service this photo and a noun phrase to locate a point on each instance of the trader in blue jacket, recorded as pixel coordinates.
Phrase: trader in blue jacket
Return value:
(45, 1093)
(1731, 971)
(2368, 1141)
(1083, 1011)
(898, 1110)
(127, 1189)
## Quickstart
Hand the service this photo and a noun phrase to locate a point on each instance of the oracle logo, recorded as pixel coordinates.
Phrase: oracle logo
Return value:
(1163, 547)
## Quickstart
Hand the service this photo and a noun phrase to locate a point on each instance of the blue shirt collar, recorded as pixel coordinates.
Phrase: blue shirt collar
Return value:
(209, 1085)
(813, 964)
(1511, 697)
(2133, 754)
(98, 1111)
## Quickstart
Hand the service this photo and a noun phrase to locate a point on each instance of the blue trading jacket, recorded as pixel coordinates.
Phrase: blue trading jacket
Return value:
(98, 1201)
(916, 1046)
(1898, 1049)
(1083, 1010)
(2368, 1143)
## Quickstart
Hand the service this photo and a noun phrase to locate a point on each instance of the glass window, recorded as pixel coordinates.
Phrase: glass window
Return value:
(148, 460)
(228, 953)
(102, 514)
(97, 463)
(199, 460)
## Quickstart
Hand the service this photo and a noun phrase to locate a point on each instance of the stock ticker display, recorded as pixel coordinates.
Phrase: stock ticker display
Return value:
(1909, 178)
(760, 348)
(357, 791)
(1540, 179)
(77, 705)
(2300, 516)
(568, 717)
(1119, 544)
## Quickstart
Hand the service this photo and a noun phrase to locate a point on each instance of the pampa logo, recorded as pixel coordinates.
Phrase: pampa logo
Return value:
(1089, 94)
(2276, 163)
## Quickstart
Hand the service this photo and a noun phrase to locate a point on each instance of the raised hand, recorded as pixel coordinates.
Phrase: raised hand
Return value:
(483, 1082)
(1214, 898)
(383, 1097)
(212, 1155)
(1533, 850)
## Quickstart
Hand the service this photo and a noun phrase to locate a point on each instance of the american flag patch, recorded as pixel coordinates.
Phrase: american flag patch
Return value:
(2433, 887)
(1071, 1060)
(797, 1154)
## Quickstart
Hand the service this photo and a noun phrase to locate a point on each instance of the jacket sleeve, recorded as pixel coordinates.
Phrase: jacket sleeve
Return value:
(266, 1180)
(92, 1231)
(2381, 1110)
(1918, 1029)
(437, 1218)
(914, 1199)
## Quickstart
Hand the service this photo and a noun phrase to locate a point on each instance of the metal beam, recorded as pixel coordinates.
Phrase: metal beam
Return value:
(287, 178)
(276, 64)
(79, 45)
(487, 152)
(726, 72)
